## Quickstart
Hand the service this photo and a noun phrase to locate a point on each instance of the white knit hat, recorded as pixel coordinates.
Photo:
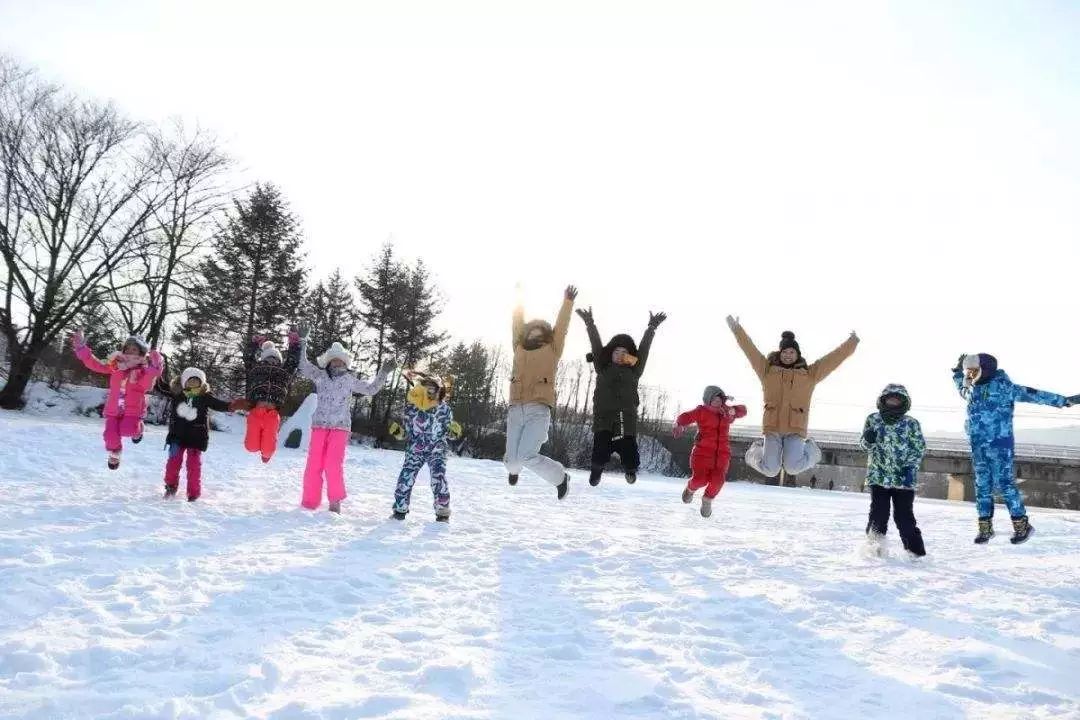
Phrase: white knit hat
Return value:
(269, 350)
(971, 362)
(335, 351)
(192, 372)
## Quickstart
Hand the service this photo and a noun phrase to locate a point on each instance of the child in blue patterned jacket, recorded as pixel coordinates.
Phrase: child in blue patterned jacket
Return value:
(895, 447)
(427, 420)
(990, 396)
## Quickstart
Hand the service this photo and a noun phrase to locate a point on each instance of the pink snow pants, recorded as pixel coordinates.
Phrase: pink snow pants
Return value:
(326, 456)
(117, 427)
(194, 470)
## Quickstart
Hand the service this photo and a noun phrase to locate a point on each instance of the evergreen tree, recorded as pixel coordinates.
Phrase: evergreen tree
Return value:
(332, 314)
(380, 292)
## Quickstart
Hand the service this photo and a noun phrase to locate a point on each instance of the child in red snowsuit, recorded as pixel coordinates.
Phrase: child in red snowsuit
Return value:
(711, 456)
(267, 387)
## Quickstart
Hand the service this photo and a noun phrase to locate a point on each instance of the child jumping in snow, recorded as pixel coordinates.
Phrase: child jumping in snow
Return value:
(427, 429)
(132, 372)
(331, 425)
(990, 396)
(711, 456)
(190, 404)
(619, 366)
(895, 447)
(268, 383)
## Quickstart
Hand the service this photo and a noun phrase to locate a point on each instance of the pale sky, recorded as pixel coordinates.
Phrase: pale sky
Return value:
(910, 170)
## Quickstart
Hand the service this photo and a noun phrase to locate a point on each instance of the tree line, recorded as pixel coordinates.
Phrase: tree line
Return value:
(118, 227)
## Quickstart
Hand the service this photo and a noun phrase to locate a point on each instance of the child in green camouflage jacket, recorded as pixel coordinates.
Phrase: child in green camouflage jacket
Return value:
(895, 447)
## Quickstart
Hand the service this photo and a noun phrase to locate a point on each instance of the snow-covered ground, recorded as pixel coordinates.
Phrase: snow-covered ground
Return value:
(619, 602)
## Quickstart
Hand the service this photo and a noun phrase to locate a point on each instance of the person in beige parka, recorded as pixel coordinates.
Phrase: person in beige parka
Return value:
(788, 383)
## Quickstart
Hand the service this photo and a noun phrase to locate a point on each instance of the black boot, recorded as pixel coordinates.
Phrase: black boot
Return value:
(137, 440)
(1021, 530)
(399, 515)
(631, 477)
(512, 479)
(986, 531)
(562, 487)
(170, 491)
(594, 475)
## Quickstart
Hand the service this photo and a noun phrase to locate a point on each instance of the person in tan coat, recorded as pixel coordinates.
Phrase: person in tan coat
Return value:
(537, 349)
(788, 384)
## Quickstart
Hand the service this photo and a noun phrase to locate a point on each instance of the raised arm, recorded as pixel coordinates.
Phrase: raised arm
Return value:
(689, 417)
(757, 359)
(153, 371)
(364, 387)
(305, 367)
(595, 346)
(517, 324)
(646, 341)
(1025, 394)
(83, 352)
(825, 366)
(292, 355)
(562, 322)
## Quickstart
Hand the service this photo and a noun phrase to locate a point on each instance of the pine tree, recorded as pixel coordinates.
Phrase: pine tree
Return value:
(412, 330)
(251, 283)
(332, 314)
(380, 292)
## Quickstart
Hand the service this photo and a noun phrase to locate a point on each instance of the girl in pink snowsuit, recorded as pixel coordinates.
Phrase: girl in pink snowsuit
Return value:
(132, 373)
(331, 424)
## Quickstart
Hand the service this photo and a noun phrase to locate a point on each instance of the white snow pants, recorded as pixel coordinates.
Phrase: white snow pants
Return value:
(792, 452)
(527, 428)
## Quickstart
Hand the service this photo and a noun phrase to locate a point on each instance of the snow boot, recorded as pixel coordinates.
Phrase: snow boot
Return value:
(986, 531)
(875, 544)
(442, 513)
(170, 491)
(1022, 530)
(265, 459)
(192, 499)
(631, 477)
(512, 479)
(754, 454)
(687, 495)
(562, 488)
(399, 515)
(335, 507)
(706, 507)
(114, 460)
(137, 440)
(442, 518)
(594, 475)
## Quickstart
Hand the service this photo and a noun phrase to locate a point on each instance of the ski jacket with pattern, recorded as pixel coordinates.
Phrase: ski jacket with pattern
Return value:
(990, 405)
(334, 408)
(893, 459)
(426, 430)
(267, 382)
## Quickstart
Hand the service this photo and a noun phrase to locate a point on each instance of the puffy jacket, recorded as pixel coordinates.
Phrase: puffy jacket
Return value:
(894, 456)
(127, 388)
(426, 430)
(990, 403)
(532, 379)
(712, 442)
(615, 397)
(184, 431)
(788, 390)
(267, 382)
(334, 408)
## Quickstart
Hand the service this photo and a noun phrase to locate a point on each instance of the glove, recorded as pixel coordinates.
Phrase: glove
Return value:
(655, 320)
(732, 322)
(869, 436)
(396, 431)
(586, 315)
(571, 293)
(455, 430)
(678, 431)
(959, 363)
(303, 330)
(294, 338)
(155, 358)
(78, 340)
(1072, 400)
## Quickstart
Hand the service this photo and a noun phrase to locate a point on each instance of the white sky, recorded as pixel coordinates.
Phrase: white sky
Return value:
(909, 170)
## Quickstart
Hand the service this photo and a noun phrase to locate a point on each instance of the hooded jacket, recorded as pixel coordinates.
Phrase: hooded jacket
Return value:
(894, 443)
(615, 398)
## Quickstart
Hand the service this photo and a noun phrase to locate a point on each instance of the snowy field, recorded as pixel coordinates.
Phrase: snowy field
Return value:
(619, 602)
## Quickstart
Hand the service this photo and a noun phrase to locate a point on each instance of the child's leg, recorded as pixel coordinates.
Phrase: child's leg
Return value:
(311, 496)
(172, 466)
(252, 430)
(878, 523)
(130, 426)
(515, 425)
(601, 448)
(1004, 476)
(699, 476)
(268, 441)
(717, 477)
(112, 434)
(627, 448)
(904, 517)
(334, 464)
(440, 489)
(409, 469)
(984, 481)
(194, 473)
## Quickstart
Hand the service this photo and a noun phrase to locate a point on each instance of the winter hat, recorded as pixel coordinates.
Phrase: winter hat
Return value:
(268, 351)
(986, 364)
(787, 340)
(192, 372)
(894, 413)
(624, 341)
(335, 351)
(546, 333)
(711, 391)
(137, 341)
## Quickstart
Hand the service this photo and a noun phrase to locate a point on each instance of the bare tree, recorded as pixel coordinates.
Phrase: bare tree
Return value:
(192, 171)
(78, 189)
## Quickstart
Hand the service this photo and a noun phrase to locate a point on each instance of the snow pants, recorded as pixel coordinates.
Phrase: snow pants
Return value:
(416, 458)
(604, 444)
(262, 431)
(194, 469)
(903, 501)
(326, 458)
(121, 426)
(794, 453)
(994, 473)
(527, 428)
(709, 475)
